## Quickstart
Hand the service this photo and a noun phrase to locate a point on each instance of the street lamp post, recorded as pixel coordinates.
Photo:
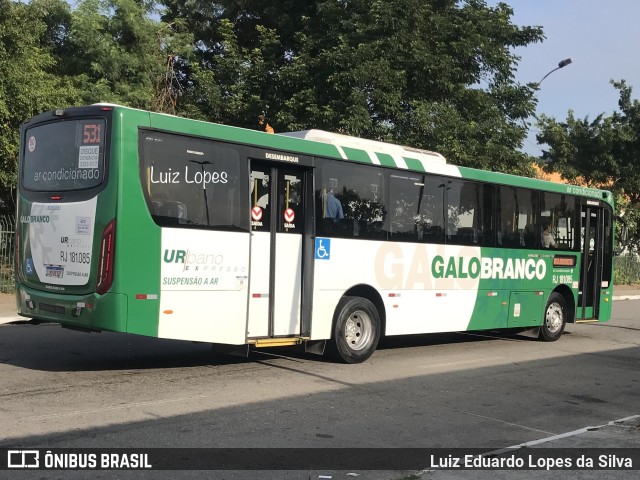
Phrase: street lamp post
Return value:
(561, 64)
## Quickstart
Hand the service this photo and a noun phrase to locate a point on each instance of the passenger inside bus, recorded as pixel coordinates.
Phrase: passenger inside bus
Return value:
(529, 235)
(167, 212)
(548, 241)
(333, 207)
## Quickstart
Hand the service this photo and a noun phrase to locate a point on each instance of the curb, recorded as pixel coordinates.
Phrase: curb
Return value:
(626, 297)
(16, 318)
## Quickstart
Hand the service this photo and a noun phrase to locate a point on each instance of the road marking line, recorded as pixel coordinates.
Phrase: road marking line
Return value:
(506, 423)
(461, 362)
(580, 431)
(504, 450)
(112, 407)
(626, 297)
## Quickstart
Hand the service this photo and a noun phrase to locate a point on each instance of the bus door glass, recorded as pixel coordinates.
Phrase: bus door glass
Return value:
(591, 246)
(277, 228)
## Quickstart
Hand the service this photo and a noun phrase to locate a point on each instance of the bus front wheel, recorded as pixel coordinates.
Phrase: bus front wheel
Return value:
(555, 318)
(356, 330)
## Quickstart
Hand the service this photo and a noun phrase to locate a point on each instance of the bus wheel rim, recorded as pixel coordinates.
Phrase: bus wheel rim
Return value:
(554, 317)
(358, 330)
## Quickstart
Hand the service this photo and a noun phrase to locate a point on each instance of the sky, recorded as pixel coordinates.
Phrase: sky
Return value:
(603, 40)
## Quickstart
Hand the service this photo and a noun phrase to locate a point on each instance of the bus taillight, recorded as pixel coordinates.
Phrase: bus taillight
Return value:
(105, 267)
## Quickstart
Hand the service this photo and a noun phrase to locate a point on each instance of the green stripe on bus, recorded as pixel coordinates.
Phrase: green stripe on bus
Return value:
(414, 164)
(386, 160)
(357, 155)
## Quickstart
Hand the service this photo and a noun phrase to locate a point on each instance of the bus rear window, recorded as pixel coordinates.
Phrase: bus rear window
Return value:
(64, 156)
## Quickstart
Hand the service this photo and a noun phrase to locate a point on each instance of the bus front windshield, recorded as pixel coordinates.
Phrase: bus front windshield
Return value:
(64, 156)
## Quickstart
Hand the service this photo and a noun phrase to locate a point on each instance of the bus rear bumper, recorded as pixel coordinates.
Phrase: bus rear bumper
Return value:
(89, 312)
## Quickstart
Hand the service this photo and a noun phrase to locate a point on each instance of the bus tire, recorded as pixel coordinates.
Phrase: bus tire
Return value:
(555, 318)
(356, 330)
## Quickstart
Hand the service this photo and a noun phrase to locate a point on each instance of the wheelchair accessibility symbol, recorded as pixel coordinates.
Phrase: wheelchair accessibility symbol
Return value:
(323, 249)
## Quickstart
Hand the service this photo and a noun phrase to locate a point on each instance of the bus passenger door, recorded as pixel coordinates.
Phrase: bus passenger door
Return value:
(275, 278)
(592, 248)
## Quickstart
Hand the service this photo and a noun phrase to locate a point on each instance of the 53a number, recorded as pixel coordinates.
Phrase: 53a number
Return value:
(91, 133)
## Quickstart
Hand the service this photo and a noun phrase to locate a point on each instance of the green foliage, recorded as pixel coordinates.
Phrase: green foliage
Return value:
(116, 52)
(434, 74)
(104, 50)
(430, 74)
(604, 152)
(29, 83)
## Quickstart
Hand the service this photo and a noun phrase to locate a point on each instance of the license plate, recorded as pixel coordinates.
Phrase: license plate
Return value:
(55, 271)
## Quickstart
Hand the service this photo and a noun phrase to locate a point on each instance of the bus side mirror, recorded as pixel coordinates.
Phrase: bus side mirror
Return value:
(624, 233)
(624, 236)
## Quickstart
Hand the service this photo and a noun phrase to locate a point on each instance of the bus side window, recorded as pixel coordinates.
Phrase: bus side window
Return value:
(465, 214)
(193, 182)
(170, 213)
(156, 207)
(529, 235)
(351, 201)
(177, 210)
(558, 211)
(517, 208)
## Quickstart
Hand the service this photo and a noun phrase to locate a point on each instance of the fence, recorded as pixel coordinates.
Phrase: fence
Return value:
(626, 268)
(7, 229)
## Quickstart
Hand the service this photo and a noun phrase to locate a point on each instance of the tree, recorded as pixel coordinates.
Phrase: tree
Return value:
(433, 74)
(118, 53)
(602, 153)
(28, 81)
(104, 50)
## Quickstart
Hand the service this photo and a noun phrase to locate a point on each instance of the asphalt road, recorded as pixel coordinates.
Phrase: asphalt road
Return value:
(62, 388)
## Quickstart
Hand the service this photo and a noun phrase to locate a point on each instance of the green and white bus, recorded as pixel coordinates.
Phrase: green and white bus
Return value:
(146, 223)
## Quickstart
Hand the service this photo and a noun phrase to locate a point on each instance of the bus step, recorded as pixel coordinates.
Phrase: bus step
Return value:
(276, 342)
(588, 320)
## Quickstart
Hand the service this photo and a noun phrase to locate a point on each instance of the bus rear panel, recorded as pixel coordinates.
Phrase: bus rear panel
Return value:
(66, 220)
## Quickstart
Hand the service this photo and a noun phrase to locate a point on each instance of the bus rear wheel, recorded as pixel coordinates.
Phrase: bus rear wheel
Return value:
(555, 318)
(356, 330)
